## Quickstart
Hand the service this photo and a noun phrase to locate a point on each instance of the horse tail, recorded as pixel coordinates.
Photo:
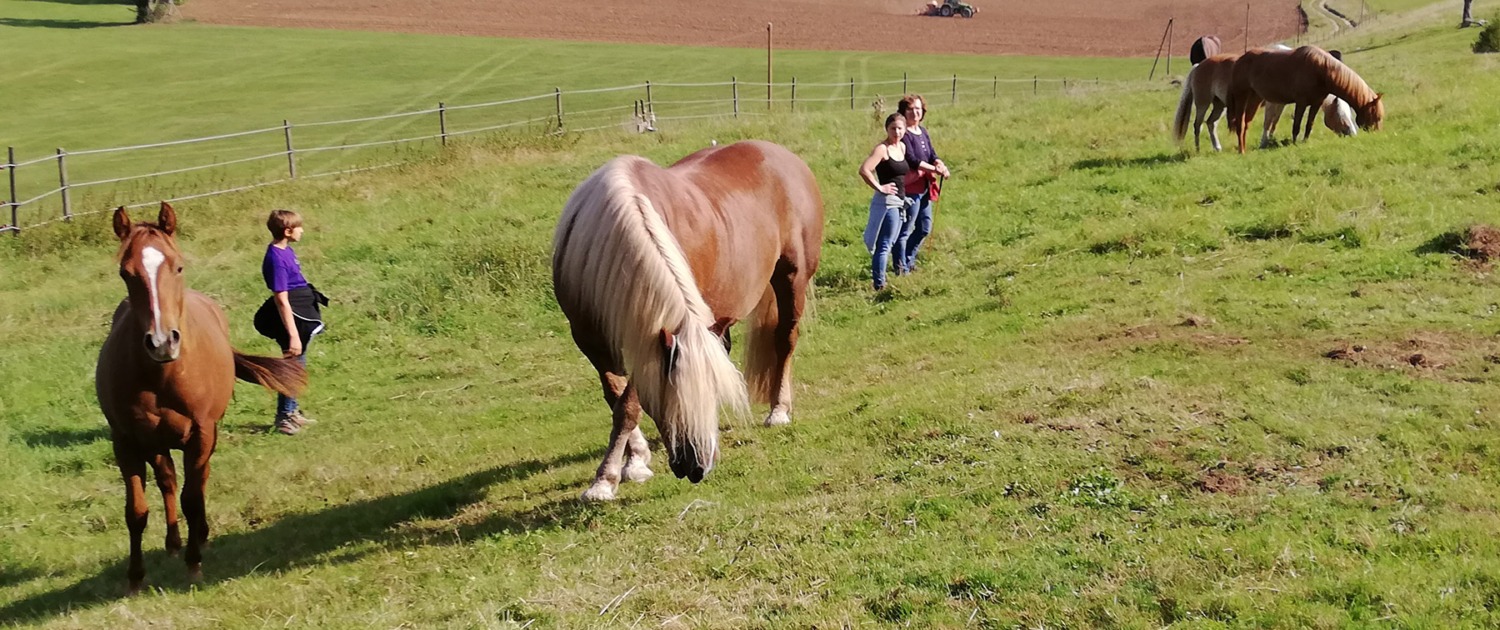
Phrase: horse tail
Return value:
(283, 376)
(617, 264)
(1184, 107)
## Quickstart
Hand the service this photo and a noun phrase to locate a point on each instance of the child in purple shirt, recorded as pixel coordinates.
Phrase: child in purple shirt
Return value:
(291, 315)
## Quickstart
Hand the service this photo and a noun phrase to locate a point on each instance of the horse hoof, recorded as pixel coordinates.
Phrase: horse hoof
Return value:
(195, 574)
(133, 589)
(599, 492)
(778, 418)
(639, 474)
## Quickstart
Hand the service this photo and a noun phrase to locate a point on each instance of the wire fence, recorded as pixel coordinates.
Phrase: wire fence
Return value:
(58, 184)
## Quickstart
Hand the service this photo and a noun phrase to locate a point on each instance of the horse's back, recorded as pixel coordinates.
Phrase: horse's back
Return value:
(737, 211)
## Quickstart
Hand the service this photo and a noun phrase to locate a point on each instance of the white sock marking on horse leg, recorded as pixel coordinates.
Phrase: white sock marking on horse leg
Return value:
(151, 259)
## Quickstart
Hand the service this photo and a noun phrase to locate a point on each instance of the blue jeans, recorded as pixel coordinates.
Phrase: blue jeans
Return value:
(918, 225)
(888, 243)
(286, 404)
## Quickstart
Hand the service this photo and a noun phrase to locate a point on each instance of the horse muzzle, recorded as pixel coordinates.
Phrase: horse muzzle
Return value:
(686, 464)
(164, 349)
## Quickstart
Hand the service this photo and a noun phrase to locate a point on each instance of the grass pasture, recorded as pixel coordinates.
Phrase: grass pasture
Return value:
(1129, 387)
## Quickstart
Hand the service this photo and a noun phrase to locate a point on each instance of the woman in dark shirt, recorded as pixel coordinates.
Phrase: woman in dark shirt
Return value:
(885, 171)
(925, 167)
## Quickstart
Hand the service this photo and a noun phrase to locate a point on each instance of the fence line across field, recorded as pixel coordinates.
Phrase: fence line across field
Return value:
(734, 98)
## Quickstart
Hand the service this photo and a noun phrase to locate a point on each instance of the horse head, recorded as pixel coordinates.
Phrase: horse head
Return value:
(151, 266)
(1370, 114)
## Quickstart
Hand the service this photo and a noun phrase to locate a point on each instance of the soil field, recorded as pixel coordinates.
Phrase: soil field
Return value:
(1107, 28)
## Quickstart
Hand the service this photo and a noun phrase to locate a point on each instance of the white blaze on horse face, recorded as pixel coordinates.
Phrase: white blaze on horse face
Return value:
(151, 259)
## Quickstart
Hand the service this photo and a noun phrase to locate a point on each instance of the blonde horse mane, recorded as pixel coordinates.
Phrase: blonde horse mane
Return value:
(615, 260)
(1344, 81)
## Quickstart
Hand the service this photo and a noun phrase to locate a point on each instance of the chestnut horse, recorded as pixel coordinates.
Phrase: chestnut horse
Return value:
(1303, 77)
(652, 266)
(1206, 84)
(164, 379)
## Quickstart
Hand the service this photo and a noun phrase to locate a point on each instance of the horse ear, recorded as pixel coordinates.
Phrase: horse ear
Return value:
(167, 219)
(122, 223)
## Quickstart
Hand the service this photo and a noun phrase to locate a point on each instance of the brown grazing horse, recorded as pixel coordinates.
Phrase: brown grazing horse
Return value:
(1303, 77)
(652, 266)
(164, 379)
(1206, 84)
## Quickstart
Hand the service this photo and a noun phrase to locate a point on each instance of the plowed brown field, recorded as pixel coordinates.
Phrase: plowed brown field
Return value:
(1111, 28)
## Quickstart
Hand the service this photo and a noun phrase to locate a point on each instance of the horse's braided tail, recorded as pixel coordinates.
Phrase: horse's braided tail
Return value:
(1184, 107)
(615, 261)
(283, 376)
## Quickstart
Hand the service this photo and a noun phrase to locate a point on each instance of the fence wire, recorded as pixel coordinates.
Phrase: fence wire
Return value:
(547, 112)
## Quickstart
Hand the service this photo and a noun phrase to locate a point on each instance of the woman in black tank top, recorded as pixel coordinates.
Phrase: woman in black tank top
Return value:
(885, 171)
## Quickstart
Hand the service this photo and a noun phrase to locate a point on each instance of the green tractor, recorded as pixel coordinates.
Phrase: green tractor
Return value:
(950, 8)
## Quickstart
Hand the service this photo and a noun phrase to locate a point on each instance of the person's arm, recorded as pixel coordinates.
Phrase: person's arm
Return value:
(867, 171)
(284, 307)
(937, 163)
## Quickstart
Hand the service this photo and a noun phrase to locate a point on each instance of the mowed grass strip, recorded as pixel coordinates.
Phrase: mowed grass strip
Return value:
(1129, 386)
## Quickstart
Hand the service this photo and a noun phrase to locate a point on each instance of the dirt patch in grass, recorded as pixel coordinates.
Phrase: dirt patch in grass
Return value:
(1424, 351)
(1222, 482)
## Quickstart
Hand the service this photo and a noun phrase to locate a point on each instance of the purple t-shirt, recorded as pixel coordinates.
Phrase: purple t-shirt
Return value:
(281, 269)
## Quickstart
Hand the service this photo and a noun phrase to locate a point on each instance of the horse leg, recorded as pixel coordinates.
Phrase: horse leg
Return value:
(790, 286)
(1198, 127)
(1296, 121)
(1268, 125)
(133, 472)
(627, 414)
(1312, 115)
(1213, 125)
(166, 482)
(196, 468)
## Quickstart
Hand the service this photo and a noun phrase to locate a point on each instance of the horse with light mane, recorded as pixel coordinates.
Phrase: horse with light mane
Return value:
(1303, 77)
(1207, 84)
(164, 378)
(653, 265)
(1338, 116)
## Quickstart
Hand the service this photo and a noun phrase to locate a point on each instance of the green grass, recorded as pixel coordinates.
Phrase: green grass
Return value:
(1028, 432)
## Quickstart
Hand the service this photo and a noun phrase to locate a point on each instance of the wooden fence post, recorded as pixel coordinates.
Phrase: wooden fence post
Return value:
(557, 91)
(291, 154)
(10, 167)
(443, 122)
(794, 94)
(62, 183)
(734, 87)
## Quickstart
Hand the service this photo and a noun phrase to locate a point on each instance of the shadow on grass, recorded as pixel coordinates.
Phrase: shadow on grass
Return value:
(68, 24)
(1119, 162)
(1453, 243)
(308, 539)
(64, 438)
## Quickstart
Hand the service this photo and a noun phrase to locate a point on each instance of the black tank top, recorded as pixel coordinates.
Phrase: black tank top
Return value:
(890, 171)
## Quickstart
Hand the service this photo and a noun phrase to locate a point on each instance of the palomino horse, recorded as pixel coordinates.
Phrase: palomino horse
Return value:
(164, 378)
(652, 266)
(1206, 84)
(1302, 77)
